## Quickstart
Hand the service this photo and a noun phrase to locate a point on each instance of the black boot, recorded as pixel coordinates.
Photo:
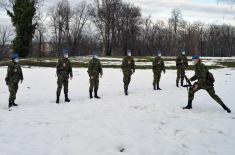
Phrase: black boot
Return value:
(91, 96)
(177, 84)
(126, 92)
(10, 104)
(96, 96)
(57, 99)
(158, 88)
(66, 98)
(189, 106)
(13, 103)
(182, 83)
(226, 108)
(154, 87)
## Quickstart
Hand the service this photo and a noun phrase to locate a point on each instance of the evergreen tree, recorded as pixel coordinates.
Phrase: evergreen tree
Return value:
(22, 15)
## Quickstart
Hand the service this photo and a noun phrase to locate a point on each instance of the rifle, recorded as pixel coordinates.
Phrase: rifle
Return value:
(189, 84)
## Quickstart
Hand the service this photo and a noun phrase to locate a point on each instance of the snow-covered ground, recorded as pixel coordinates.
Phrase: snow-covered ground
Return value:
(144, 123)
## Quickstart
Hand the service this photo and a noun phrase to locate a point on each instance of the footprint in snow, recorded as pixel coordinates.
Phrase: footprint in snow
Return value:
(162, 123)
(220, 132)
(121, 149)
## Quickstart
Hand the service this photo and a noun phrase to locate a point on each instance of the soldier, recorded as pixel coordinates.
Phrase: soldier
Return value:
(158, 67)
(14, 75)
(181, 65)
(205, 80)
(94, 71)
(128, 68)
(64, 71)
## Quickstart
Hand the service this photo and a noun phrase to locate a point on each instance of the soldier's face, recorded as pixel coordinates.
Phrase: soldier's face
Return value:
(66, 55)
(159, 55)
(17, 60)
(129, 53)
(183, 53)
(195, 61)
(96, 56)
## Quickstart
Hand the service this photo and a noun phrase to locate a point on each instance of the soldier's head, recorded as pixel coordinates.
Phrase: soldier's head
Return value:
(95, 54)
(159, 53)
(196, 59)
(183, 51)
(15, 57)
(66, 52)
(129, 52)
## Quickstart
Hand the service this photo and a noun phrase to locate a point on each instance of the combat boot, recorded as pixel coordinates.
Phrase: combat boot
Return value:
(182, 84)
(96, 96)
(91, 96)
(154, 87)
(226, 108)
(14, 104)
(189, 106)
(66, 98)
(177, 84)
(158, 88)
(10, 104)
(126, 91)
(57, 99)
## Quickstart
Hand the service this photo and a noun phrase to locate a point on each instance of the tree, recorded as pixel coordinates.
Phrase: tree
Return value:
(5, 36)
(22, 14)
(60, 17)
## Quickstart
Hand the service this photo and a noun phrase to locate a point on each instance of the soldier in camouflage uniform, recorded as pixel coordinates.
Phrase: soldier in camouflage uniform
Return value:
(128, 68)
(14, 75)
(203, 82)
(181, 65)
(64, 71)
(95, 71)
(158, 67)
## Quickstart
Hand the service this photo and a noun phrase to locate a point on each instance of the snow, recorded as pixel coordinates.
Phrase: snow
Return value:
(144, 123)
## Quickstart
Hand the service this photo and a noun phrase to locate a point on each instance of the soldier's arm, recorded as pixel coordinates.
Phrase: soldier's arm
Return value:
(123, 63)
(21, 74)
(186, 63)
(154, 64)
(89, 71)
(163, 66)
(193, 78)
(70, 69)
(100, 68)
(9, 70)
(133, 65)
(58, 66)
(178, 61)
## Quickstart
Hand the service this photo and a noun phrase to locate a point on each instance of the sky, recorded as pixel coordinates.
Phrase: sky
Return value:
(207, 11)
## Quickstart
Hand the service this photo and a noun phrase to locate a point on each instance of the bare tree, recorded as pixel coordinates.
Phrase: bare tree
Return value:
(78, 23)
(60, 17)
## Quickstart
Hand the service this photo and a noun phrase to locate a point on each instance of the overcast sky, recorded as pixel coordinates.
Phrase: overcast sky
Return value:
(208, 11)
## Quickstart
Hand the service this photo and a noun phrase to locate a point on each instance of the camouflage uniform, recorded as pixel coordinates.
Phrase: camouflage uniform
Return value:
(14, 75)
(201, 74)
(181, 64)
(94, 70)
(128, 68)
(158, 67)
(64, 70)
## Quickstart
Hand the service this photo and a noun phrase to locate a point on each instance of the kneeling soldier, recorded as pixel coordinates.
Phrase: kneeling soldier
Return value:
(205, 81)
(14, 75)
(94, 71)
(158, 67)
(64, 71)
